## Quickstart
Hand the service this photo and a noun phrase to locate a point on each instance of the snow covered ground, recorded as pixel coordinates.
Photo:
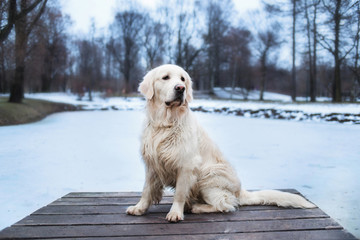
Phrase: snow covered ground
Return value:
(278, 109)
(240, 93)
(94, 150)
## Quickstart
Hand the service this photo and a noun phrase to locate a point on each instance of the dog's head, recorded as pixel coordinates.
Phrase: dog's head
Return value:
(167, 84)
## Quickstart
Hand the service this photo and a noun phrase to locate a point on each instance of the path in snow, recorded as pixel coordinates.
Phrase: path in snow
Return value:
(99, 151)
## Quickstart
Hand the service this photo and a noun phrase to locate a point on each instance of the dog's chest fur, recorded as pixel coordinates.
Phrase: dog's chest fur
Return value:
(162, 152)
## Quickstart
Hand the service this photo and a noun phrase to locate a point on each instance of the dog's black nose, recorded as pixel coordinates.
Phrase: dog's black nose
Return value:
(179, 88)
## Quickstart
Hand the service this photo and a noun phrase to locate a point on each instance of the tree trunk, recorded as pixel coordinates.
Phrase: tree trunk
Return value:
(211, 70)
(355, 69)
(45, 86)
(314, 75)
(337, 82)
(337, 77)
(179, 60)
(127, 88)
(311, 52)
(263, 76)
(3, 77)
(17, 86)
(233, 81)
(293, 71)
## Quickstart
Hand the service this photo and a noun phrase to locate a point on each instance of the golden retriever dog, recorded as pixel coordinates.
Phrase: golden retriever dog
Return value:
(179, 154)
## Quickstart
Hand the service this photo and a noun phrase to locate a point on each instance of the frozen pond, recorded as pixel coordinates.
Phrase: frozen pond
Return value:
(99, 151)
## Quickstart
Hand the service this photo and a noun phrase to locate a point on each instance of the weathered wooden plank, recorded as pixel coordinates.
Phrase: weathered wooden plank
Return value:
(120, 209)
(102, 194)
(91, 210)
(284, 235)
(168, 229)
(100, 219)
(104, 201)
(133, 194)
(109, 194)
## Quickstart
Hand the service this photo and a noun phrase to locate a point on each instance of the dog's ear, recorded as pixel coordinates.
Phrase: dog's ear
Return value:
(146, 86)
(189, 90)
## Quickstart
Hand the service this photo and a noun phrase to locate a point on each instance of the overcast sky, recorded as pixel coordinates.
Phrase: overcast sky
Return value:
(103, 11)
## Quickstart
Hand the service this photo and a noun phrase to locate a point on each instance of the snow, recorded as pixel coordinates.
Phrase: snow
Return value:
(342, 113)
(323, 108)
(238, 93)
(101, 102)
(99, 151)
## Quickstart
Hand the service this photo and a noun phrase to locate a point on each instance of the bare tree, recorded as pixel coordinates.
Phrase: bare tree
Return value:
(85, 64)
(293, 70)
(49, 42)
(89, 65)
(339, 14)
(290, 9)
(23, 27)
(267, 41)
(310, 12)
(153, 42)
(217, 25)
(186, 52)
(236, 44)
(181, 30)
(354, 67)
(126, 47)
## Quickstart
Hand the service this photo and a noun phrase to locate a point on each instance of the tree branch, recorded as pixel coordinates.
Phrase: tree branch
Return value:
(328, 8)
(5, 31)
(347, 52)
(24, 12)
(327, 45)
(41, 11)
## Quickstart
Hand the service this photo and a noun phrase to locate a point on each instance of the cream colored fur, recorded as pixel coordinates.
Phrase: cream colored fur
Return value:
(178, 153)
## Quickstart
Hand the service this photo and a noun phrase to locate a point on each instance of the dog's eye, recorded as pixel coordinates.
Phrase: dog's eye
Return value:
(183, 79)
(166, 77)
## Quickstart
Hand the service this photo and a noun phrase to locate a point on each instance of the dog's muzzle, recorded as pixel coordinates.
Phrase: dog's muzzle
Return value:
(179, 95)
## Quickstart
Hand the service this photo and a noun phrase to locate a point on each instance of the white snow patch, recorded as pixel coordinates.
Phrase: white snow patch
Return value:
(242, 94)
(133, 103)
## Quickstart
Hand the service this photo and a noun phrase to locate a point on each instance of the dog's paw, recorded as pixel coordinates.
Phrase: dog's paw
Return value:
(174, 216)
(134, 210)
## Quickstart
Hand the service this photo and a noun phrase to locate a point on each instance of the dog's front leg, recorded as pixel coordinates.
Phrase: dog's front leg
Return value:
(152, 192)
(184, 183)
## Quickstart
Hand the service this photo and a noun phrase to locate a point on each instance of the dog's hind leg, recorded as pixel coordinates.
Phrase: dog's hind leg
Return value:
(217, 200)
(203, 208)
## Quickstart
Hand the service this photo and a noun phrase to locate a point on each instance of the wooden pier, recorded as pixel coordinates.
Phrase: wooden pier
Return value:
(102, 216)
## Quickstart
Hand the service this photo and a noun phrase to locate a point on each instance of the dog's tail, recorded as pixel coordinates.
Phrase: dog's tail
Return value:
(274, 197)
